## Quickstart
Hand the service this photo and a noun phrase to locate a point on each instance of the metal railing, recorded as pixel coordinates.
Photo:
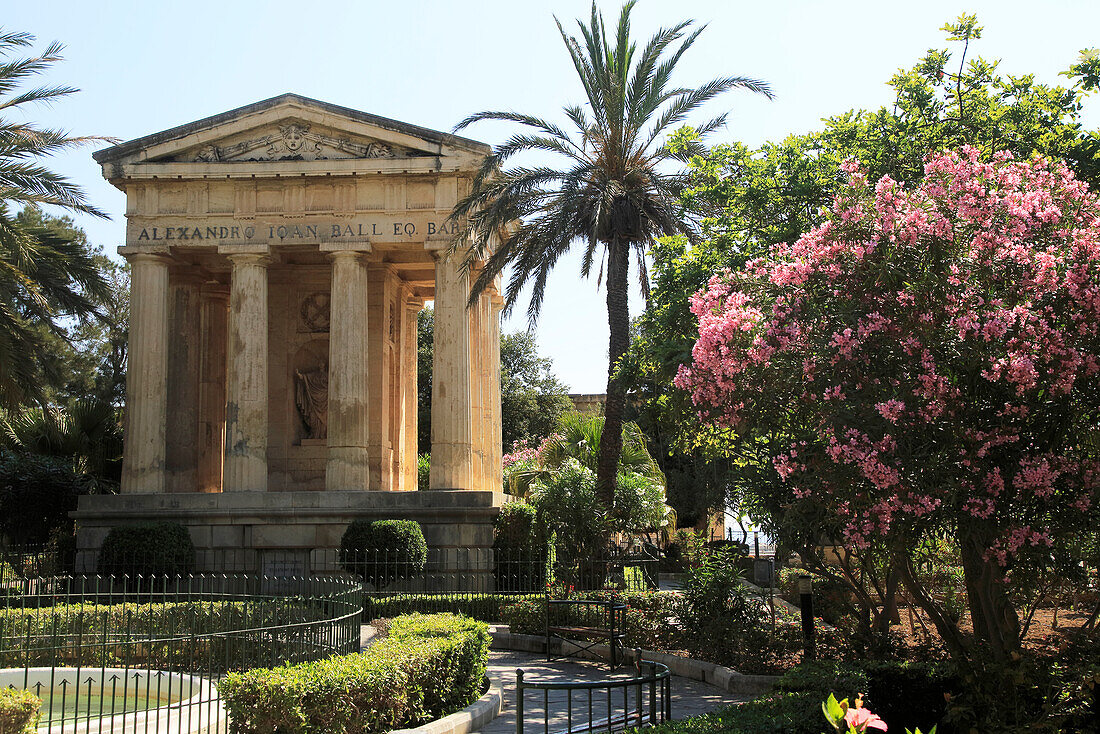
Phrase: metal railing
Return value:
(603, 705)
(122, 653)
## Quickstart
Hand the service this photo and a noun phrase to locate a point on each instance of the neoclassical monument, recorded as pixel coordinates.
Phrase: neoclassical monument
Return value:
(279, 256)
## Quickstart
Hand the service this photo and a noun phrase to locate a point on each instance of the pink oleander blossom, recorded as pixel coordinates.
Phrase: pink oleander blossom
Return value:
(931, 351)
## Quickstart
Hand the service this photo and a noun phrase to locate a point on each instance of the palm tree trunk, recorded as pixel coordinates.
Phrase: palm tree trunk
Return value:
(618, 320)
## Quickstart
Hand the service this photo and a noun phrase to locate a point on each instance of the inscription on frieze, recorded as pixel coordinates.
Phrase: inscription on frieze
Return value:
(320, 232)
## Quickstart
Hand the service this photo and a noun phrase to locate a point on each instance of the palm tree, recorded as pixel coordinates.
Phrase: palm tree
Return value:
(612, 195)
(44, 278)
(88, 433)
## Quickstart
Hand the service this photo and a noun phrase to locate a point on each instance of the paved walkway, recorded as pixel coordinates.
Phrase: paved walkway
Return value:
(689, 697)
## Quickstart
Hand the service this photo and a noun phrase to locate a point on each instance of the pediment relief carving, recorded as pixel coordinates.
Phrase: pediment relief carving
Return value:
(292, 140)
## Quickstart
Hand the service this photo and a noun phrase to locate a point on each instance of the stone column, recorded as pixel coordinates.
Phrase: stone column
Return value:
(348, 463)
(246, 408)
(143, 463)
(477, 402)
(215, 314)
(452, 435)
(410, 351)
(496, 448)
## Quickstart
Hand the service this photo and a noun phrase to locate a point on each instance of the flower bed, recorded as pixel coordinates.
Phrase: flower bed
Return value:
(426, 667)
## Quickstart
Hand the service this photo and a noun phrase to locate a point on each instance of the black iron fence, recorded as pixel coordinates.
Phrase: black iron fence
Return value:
(475, 581)
(611, 704)
(121, 652)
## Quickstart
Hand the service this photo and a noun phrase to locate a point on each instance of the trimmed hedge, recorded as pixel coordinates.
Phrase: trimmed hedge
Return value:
(649, 621)
(427, 667)
(19, 711)
(483, 607)
(146, 634)
(383, 551)
(147, 549)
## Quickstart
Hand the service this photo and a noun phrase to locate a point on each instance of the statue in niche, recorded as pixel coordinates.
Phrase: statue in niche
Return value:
(311, 399)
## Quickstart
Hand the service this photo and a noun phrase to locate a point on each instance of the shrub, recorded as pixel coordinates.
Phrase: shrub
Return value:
(147, 549)
(37, 493)
(483, 607)
(681, 551)
(830, 596)
(908, 695)
(149, 634)
(428, 667)
(19, 711)
(775, 713)
(519, 549)
(383, 551)
(649, 621)
(423, 471)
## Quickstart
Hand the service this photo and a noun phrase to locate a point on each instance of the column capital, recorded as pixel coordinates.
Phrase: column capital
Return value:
(346, 255)
(254, 250)
(155, 254)
(346, 248)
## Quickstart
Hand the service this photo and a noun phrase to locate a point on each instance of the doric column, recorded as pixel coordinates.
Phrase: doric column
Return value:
(143, 464)
(348, 431)
(215, 315)
(477, 396)
(246, 407)
(452, 436)
(409, 349)
(496, 448)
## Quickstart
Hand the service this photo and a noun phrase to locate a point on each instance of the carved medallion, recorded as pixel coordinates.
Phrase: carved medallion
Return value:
(315, 312)
(294, 141)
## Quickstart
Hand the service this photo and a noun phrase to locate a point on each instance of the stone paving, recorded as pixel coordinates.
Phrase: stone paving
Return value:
(689, 697)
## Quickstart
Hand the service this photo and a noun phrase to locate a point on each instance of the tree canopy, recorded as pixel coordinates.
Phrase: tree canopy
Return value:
(46, 275)
(748, 200)
(611, 191)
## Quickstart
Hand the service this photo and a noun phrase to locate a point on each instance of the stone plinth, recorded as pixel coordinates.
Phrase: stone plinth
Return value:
(293, 520)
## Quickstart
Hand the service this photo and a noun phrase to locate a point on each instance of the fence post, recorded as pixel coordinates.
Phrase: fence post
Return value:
(806, 599)
(519, 701)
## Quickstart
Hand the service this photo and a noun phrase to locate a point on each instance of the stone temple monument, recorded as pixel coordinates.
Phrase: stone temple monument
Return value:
(279, 256)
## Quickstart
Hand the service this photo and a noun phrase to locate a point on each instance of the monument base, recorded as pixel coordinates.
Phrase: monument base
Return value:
(293, 532)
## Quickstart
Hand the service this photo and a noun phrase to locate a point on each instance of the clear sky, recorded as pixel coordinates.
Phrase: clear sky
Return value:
(148, 65)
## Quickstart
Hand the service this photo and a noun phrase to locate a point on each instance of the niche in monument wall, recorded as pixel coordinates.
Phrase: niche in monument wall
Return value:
(309, 376)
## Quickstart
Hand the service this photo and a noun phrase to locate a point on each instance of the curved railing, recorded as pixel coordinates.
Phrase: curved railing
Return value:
(123, 653)
(611, 704)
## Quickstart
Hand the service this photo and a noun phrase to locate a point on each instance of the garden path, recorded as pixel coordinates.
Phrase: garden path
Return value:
(689, 697)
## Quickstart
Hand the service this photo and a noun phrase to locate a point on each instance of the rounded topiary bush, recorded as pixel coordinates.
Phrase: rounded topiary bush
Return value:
(148, 549)
(383, 551)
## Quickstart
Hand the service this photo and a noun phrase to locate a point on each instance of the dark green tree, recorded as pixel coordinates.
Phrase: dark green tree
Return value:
(614, 192)
(85, 359)
(45, 277)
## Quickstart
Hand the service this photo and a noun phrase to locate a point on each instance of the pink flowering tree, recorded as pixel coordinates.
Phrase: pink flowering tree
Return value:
(925, 362)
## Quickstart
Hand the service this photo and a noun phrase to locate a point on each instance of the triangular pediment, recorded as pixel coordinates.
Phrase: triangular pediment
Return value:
(292, 139)
(290, 128)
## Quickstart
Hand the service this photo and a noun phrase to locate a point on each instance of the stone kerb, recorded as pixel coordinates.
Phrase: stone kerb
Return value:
(718, 676)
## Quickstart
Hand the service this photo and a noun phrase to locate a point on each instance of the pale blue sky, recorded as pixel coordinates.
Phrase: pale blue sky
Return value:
(147, 65)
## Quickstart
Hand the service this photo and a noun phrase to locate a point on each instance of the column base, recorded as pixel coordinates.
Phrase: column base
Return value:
(347, 469)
